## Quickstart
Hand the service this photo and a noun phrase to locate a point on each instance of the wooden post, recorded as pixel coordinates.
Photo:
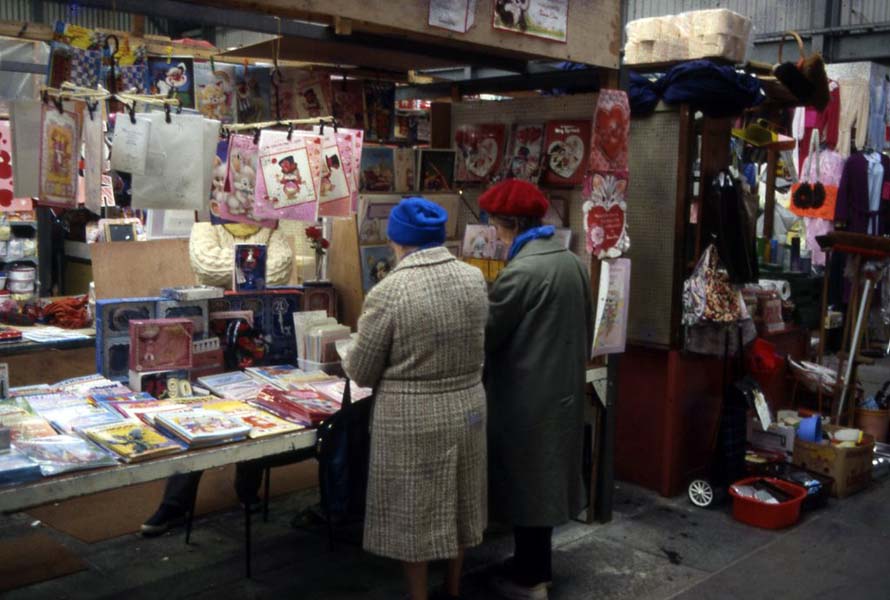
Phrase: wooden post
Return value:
(138, 27)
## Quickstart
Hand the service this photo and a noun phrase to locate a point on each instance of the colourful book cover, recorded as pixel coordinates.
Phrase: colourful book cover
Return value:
(16, 468)
(62, 453)
(262, 423)
(24, 426)
(197, 426)
(132, 440)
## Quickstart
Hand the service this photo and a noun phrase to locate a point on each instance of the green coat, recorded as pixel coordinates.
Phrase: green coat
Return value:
(537, 342)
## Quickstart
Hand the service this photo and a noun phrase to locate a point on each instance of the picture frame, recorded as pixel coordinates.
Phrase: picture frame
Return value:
(120, 232)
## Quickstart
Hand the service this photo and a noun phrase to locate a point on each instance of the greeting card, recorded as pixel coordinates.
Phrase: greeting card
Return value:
(313, 97)
(374, 217)
(334, 192)
(129, 144)
(453, 15)
(405, 170)
(290, 175)
(60, 154)
(174, 75)
(93, 158)
(8, 201)
(349, 103)
(611, 128)
(605, 226)
(249, 273)
(380, 102)
(215, 91)
(253, 87)
(480, 150)
(566, 149)
(523, 159)
(481, 241)
(378, 169)
(377, 262)
(610, 331)
(436, 173)
(546, 19)
(235, 201)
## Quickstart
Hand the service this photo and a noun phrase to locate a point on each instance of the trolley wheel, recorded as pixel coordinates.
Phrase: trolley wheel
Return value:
(702, 493)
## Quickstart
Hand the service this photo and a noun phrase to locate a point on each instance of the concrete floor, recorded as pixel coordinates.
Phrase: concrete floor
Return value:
(654, 548)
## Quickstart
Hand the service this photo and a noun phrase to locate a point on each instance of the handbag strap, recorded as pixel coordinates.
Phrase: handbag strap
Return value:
(814, 157)
(797, 38)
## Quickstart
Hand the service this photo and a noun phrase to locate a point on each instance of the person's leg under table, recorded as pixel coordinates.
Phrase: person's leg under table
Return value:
(177, 502)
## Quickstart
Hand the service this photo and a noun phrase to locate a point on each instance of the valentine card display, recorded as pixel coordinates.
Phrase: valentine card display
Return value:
(60, 154)
(8, 201)
(313, 97)
(160, 344)
(378, 169)
(546, 19)
(234, 201)
(252, 94)
(436, 172)
(290, 175)
(215, 91)
(334, 190)
(524, 155)
(348, 103)
(605, 227)
(249, 273)
(565, 145)
(453, 15)
(610, 330)
(174, 75)
(380, 108)
(611, 128)
(480, 151)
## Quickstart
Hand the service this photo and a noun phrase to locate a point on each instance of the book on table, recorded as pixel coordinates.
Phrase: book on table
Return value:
(145, 410)
(16, 468)
(286, 376)
(235, 385)
(132, 440)
(62, 453)
(262, 423)
(305, 406)
(198, 427)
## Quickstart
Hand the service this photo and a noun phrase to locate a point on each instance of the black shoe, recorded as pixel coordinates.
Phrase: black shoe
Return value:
(164, 518)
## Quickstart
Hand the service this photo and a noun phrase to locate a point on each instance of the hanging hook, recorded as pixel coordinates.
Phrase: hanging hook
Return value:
(131, 108)
(321, 128)
(256, 137)
(335, 124)
(290, 131)
(58, 102)
(91, 107)
(167, 113)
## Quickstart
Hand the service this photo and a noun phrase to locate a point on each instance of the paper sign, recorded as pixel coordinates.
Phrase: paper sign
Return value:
(453, 15)
(129, 145)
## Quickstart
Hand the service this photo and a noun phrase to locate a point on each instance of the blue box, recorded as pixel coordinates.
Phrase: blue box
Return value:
(197, 311)
(113, 317)
(113, 358)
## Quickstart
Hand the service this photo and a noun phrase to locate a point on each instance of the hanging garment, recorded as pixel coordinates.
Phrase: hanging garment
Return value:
(853, 196)
(875, 183)
(877, 116)
(808, 119)
(725, 217)
(855, 100)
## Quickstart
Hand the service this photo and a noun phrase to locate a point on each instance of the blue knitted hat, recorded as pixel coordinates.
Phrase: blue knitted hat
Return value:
(417, 222)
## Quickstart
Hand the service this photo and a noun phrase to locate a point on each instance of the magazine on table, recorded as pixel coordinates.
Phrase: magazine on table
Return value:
(17, 468)
(62, 453)
(198, 427)
(262, 423)
(132, 440)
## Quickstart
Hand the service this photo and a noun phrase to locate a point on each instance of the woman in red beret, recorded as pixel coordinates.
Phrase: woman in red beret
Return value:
(537, 343)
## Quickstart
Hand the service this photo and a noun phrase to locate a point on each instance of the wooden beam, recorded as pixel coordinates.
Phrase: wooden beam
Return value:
(138, 28)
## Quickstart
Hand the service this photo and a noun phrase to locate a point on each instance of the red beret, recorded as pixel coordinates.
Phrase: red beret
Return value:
(514, 198)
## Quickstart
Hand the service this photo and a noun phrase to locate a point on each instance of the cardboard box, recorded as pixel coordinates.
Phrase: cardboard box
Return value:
(849, 467)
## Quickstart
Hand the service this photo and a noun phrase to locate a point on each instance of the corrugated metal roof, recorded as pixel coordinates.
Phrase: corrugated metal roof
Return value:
(22, 10)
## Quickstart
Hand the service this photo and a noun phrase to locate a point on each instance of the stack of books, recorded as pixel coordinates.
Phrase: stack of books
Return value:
(286, 376)
(198, 427)
(306, 406)
(334, 389)
(236, 385)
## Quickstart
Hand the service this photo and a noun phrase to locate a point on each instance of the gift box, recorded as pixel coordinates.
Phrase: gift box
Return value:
(197, 292)
(160, 344)
(113, 315)
(197, 311)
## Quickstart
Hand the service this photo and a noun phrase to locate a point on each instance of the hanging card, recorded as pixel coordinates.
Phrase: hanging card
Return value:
(253, 94)
(239, 168)
(348, 104)
(211, 140)
(289, 176)
(8, 201)
(566, 146)
(60, 154)
(611, 128)
(174, 75)
(25, 118)
(215, 91)
(453, 15)
(523, 160)
(546, 19)
(93, 159)
(334, 195)
(480, 150)
(610, 330)
(171, 180)
(605, 210)
(313, 97)
(129, 144)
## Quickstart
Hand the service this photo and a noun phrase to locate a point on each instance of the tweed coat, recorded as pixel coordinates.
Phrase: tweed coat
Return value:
(537, 342)
(420, 344)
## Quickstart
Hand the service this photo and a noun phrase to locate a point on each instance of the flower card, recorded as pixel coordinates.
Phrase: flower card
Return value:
(610, 329)
(60, 154)
(611, 129)
(566, 152)
(605, 225)
(480, 150)
(546, 19)
(523, 160)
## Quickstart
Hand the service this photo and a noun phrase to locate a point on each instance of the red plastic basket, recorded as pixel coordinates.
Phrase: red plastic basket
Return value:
(768, 516)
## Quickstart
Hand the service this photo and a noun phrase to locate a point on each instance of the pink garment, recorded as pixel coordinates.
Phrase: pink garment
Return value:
(816, 227)
(827, 172)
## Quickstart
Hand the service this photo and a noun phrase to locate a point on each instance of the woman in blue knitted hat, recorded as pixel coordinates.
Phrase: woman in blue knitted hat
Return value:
(421, 346)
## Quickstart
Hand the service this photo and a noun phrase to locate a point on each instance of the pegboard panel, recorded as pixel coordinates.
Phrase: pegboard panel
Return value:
(527, 110)
(651, 208)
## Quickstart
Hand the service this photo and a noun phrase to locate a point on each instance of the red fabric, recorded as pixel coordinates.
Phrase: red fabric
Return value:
(762, 358)
(514, 198)
(827, 123)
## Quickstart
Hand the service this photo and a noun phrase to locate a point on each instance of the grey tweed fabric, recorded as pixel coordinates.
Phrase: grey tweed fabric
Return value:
(421, 345)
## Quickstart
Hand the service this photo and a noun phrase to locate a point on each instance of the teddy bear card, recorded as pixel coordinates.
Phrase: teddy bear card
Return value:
(566, 148)
(234, 182)
(334, 191)
(289, 175)
(215, 91)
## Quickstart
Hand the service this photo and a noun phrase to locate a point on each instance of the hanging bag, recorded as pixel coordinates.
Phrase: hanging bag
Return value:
(806, 78)
(810, 197)
(708, 295)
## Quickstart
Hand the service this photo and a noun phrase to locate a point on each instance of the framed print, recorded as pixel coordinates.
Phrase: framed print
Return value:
(377, 262)
(546, 19)
(120, 232)
(436, 172)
